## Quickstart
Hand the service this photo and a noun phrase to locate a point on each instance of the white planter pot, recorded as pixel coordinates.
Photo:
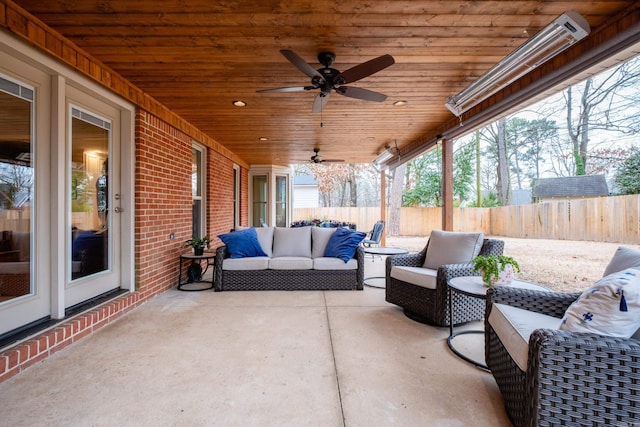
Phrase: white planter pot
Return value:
(505, 277)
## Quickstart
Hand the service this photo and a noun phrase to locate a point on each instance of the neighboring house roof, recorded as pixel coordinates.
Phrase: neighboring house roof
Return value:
(304, 180)
(571, 186)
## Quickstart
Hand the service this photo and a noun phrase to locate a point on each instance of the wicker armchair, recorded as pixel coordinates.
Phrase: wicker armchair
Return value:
(571, 378)
(432, 305)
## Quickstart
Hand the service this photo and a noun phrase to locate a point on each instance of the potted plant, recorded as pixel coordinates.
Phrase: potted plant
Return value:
(495, 269)
(198, 244)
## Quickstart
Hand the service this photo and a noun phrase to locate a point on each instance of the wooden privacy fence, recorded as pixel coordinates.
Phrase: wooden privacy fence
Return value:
(605, 219)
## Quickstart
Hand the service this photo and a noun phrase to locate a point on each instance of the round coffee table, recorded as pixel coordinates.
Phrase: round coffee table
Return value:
(382, 251)
(474, 287)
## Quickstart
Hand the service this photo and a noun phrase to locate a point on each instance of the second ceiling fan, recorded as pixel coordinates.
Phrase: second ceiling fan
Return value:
(329, 79)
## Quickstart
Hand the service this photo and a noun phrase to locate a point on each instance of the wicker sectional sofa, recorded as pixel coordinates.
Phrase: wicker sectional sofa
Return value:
(295, 261)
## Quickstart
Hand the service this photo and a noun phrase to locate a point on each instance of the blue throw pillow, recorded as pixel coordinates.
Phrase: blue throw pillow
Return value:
(343, 243)
(243, 243)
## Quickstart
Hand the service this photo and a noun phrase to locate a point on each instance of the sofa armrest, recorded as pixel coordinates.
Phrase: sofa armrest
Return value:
(221, 254)
(546, 302)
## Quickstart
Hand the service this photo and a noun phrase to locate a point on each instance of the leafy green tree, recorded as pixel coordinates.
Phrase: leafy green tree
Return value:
(628, 175)
(424, 177)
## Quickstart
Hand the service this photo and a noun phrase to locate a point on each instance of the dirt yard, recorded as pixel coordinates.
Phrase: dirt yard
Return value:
(562, 265)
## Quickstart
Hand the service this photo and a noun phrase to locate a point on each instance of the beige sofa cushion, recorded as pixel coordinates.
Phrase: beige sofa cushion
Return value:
(319, 238)
(419, 276)
(450, 247)
(265, 237)
(245, 264)
(290, 263)
(292, 242)
(514, 327)
(332, 263)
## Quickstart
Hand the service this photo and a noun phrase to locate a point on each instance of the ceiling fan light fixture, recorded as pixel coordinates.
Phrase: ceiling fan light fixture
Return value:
(564, 31)
(239, 103)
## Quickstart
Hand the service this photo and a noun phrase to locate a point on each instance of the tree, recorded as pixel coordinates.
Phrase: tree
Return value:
(424, 177)
(395, 200)
(628, 176)
(604, 102)
(337, 182)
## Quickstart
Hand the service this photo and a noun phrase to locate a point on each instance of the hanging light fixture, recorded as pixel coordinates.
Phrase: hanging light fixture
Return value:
(564, 31)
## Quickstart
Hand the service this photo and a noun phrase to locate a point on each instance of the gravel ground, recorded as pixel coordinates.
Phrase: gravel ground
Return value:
(562, 265)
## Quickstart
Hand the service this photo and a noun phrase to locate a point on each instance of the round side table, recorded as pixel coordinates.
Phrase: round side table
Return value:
(474, 287)
(209, 258)
(382, 251)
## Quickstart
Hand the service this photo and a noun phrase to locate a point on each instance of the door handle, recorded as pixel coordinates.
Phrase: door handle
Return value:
(118, 209)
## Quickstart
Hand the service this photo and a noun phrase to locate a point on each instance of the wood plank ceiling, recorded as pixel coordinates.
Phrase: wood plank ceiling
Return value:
(197, 56)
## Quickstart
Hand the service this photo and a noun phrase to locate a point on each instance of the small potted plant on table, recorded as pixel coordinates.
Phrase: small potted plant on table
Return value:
(495, 269)
(198, 244)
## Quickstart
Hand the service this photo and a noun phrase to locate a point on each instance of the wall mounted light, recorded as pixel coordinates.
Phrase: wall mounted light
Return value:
(564, 31)
(386, 154)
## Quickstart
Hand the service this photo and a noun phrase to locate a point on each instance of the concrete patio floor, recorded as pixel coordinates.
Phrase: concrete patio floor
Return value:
(334, 358)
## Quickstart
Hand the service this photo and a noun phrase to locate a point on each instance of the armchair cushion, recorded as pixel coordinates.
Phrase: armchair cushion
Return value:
(623, 258)
(514, 327)
(419, 276)
(450, 247)
(610, 307)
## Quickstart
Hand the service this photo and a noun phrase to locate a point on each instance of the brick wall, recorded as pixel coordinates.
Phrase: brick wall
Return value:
(163, 202)
(219, 195)
(163, 206)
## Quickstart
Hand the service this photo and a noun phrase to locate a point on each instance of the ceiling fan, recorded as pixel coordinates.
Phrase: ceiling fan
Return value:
(316, 158)
(327, 79)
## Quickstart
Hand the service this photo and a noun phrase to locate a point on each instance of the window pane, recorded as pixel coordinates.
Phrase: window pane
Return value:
(196, 174)
(17, 176)
(89, 194)
(259, 200)
(281, 201)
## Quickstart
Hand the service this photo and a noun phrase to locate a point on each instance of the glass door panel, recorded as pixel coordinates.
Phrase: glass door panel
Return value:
(89, 192)
(93, 266)
(17, 175)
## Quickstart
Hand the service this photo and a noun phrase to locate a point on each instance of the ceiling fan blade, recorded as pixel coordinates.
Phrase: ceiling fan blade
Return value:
(365, 69)
(320, 101)
(359, 93)
(332, 161)
(287, 89)
(301, 64)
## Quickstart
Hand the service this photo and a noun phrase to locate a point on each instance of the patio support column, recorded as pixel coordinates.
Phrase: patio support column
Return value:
(447, 184)
(383, 205)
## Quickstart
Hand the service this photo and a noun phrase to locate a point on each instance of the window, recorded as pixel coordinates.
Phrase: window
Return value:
(281, 201)
(259, 212)
(236, 196)
(198, 156)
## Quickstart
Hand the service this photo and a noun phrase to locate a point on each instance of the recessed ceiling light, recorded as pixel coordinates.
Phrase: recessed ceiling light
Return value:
(263, 138)
(239, 103)
(400, 103)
